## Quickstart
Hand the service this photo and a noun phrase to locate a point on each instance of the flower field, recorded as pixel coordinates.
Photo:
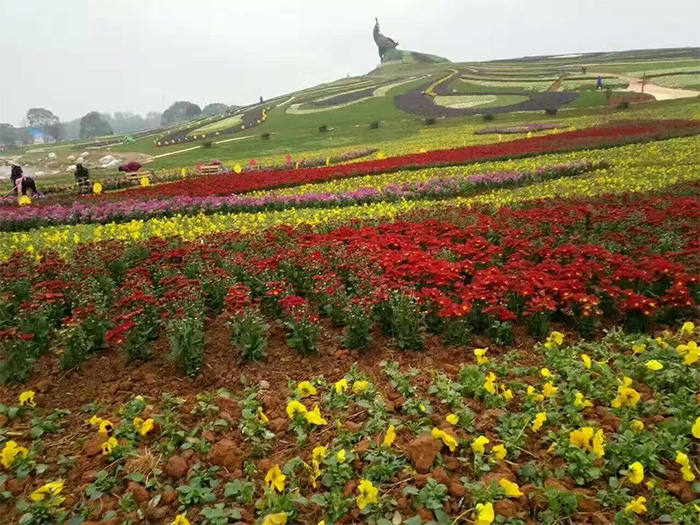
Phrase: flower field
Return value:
(501, 332)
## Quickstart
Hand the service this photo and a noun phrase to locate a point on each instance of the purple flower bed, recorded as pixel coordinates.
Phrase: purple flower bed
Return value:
(28, 217)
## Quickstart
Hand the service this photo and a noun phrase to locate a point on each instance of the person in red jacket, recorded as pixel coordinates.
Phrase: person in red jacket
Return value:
(130, 167)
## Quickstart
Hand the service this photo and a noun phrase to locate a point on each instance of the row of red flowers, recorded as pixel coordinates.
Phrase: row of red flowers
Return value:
(595, 137)
(456, 272)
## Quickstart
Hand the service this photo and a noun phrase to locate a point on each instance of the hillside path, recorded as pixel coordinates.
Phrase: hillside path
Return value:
(658, 92)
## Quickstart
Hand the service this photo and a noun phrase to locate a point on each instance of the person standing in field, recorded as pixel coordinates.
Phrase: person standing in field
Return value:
(82, 177)
(599, 83)
(130, 167)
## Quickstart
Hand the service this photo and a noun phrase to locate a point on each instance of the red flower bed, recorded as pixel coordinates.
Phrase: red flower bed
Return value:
(596, 137)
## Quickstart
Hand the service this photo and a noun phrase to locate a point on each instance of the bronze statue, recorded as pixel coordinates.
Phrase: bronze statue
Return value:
(384, 43)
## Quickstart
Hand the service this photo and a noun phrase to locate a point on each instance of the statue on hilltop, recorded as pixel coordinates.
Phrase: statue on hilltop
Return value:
(384, 43)
(389, 54)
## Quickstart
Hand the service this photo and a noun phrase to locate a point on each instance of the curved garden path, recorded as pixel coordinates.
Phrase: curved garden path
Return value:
(658, 92)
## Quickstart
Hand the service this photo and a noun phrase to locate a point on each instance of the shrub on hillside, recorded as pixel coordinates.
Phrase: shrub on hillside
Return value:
(430, 121)
(265, 136)
(207, 144)
(323, 128)
(625, 104)
(489, 117)
(551, 111)
(374, 124)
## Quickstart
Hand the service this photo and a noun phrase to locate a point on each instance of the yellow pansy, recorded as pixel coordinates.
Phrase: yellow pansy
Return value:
(109, 446)
(279, 518)
(512, 489)
(586, 360)
(94, 421)
(548, 390)
(275, 479)
(499, 451)
(452, 419)
(637, 506)
(507, 393)
(636, 473)
(306, 389)
(358, 387)
(637, 425)
(368, 494)
(480, 354)
(654, 365)
(143, 427)
(686, 467)
(106, 427)
(545, 372)
(262, 417)
(181, 519)
(581, 438)
(341, 455)
(580, 401)
(314, 417)
(484, 514)
(26, 399)
(295, 407)
(490, 383)
(555, 339)
(10, 452)
(479, 443)
(695, 430)
(533, 394)
(690, 352)
(447, 438)
(540, 419)
(341, 386)
(319, 453)
(688, 328)
(639, 348)
(50, 491)
(390, 436)
(626, 396)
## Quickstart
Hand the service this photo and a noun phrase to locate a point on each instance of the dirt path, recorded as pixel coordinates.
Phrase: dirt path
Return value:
(658, 92)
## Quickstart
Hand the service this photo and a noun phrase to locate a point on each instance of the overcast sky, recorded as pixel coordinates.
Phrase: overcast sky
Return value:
(75, 56)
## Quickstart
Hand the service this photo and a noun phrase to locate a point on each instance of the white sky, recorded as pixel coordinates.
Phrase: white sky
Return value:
(75, 56)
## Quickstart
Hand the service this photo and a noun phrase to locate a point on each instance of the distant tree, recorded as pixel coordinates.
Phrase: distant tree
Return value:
(216, 108)
(45, 120)
(180, 112)
(92, 125)
(8, 135)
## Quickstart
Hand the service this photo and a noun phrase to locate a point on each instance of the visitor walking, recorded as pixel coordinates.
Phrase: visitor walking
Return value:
(130, 167)
(82, 177)
(599, 83)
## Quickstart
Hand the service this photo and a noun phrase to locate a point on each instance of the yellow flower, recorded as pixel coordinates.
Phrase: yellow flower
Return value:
(479, 443)
(581, 438)
(545, 372)
(279, 518)
(295, 407)
(94, 421)
(540, 419)
(106, 427)
(499, 451)
(452, 419)
(237, 169)
(637, 425)
(654, 365)
(181, 519)
(691, 351)
(421, 407)
(533, 394)
(586, 360)
(580, 401)
(319, 453)
(639, 348)
(686, 468)
(368, 493)
(145, 182)
(49, 491)
(306, 389)
(660, 341)
(275, 479)
(143, 427)
(507, 393)
(638, 506)
(626, 396)
(97, 188)
(480, 354)
(109, 445)
(10, 452)
(548, 390)
(26, 399)
(599, 444)
(490, 384)
(447, 438)
(512, 489)
(262, 417)
(695, 430)
(341, 455)
(24, 200)
(636, 474)
(688, 328)
(314, 417)
(484, 514)
(390, 436)
(555, 339)
(341, 386)
(359, 386)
